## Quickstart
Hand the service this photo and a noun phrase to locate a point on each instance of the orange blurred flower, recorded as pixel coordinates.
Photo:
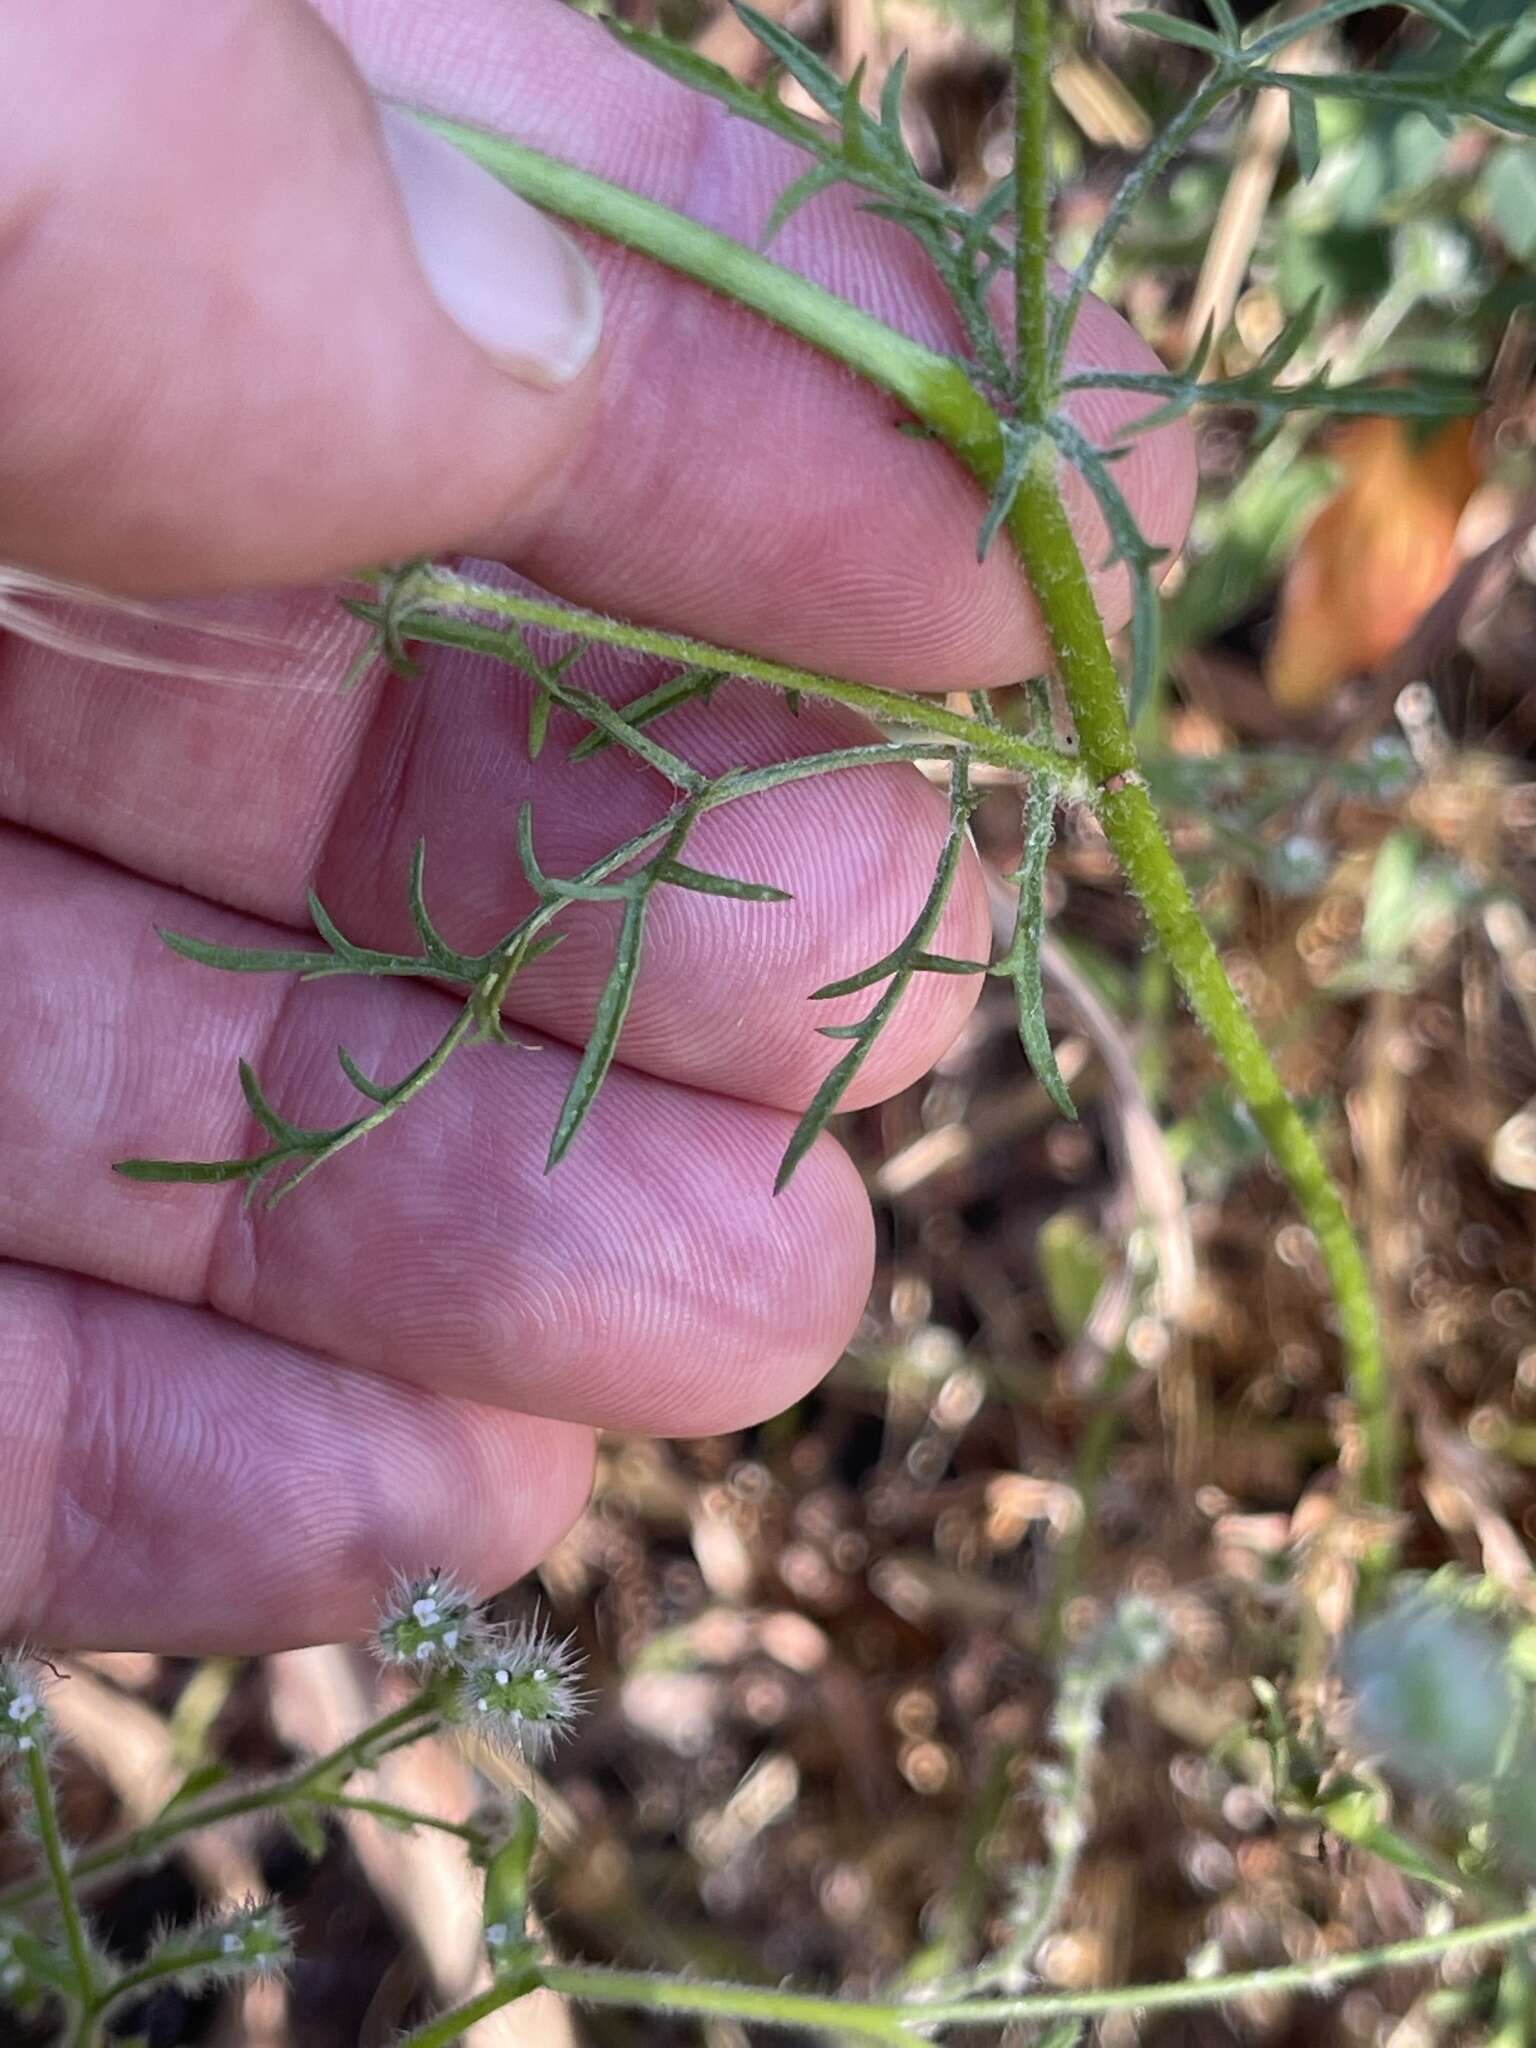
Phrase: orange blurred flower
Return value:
(1373, 560)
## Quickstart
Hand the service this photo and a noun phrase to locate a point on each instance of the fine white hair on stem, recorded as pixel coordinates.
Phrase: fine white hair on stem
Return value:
(29, 608)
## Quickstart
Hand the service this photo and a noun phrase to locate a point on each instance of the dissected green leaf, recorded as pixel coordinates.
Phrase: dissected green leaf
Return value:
(817, 79)
(1304, 135)
(374, 1090)
(452, 965)
(891, 97)
(689, 68)
(243, 959)
(204, 1172)
(1173, 28)
(276, 1126)
(1018, 443)
(612, 1008)
(549, 887)
(900, 965)
(198, 1781)
(691, 685)
(681, 876)
(819, 178)
(1130, 547)
(538, 723)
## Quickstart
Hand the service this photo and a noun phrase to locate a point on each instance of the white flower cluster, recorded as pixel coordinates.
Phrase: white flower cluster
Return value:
(518, 1686)
(23, 1718)
(427, 1623)
(522, 1689)
(253, 1941)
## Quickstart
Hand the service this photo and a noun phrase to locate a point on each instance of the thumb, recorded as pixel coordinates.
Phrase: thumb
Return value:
(253, 328)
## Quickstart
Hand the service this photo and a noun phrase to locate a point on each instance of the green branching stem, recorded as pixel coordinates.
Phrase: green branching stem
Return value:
(438, 599)
(319, 1784)
(451, 2026)
(1042, 534)
(164, 1967)
(61, 1879)
(1038, 524)
(943, 397)
(915, 2020)
(905, 368)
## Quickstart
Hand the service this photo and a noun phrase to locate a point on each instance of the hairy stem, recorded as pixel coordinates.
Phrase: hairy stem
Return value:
(1035, 374)
(1046, 545)
(941, 395)
(1042, 534)
(306, 1786)
(612, 1987)
(887, 707)
(452, 2025)
(157, 1970)
(903, 367)
(914, 2020)
(61, 1878)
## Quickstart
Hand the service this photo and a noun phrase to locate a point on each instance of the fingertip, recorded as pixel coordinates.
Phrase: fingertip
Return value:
(182, 1484)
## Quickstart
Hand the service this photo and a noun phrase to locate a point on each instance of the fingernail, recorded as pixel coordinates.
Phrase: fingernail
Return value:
(516, 285)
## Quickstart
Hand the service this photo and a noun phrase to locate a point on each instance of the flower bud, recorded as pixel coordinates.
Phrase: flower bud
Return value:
(521, 1690)
(23, 1719)
(429, 1623)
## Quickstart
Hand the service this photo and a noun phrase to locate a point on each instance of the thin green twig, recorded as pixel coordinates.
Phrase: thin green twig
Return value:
(60, 1878)
(305, 1786)
(438, 594)
(913, 2020)
(1035, 374)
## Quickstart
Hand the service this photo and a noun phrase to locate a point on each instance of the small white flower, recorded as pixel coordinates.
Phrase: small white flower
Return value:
(426, 1621)
(525, 1689)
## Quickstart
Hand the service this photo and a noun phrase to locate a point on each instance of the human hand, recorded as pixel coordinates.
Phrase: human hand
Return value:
(222, 368)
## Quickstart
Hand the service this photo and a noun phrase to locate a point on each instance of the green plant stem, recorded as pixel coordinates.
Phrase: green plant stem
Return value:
(404, 1817)
(60, 1877)
(939, 392)
(911, 2021)
(305, 1787)
(1047, 547)
(885, 707)
(1032, 172)
(450, 2026)
(154, 1970)
(1040, 530)
(922, 379)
